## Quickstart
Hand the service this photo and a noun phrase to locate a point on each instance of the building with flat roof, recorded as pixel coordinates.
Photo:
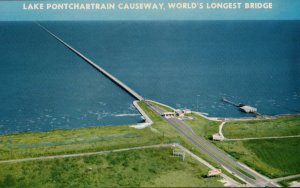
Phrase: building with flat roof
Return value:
(169, 114)
(214, 172)
(217, 137)
(248, 109)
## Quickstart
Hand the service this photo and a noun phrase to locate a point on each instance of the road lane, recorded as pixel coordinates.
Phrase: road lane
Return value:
(215, 153)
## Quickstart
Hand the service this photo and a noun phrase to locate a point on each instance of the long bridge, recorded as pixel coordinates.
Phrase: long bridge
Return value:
(97, 67)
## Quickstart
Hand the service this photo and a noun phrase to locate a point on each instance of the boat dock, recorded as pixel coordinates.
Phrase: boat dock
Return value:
(243, 107)
(100, 69)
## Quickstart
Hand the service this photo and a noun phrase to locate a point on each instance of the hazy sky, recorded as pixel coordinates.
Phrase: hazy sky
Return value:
(281, 10)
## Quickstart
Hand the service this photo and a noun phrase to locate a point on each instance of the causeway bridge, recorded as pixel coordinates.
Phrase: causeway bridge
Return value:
(97, 67)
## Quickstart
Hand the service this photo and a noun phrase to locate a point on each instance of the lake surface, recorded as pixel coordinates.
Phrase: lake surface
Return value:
(45, 86)
(195, 64)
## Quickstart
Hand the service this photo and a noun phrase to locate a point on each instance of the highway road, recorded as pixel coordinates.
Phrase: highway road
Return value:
(215, 153)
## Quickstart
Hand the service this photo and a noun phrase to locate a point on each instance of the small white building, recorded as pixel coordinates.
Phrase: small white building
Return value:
(169, 114)
(187, 111)
(177, 113)
(217, 137)
(181, 113)
(248, 109)
(214, 172)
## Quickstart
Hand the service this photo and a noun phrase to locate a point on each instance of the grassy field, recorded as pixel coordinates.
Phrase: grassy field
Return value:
(274, 157)
(262, 128)
(149, 167)
(95, 139)
(86, 139)
(58, 142)
(202, 126)
(287, 183)
(168, 134)
(76, 140)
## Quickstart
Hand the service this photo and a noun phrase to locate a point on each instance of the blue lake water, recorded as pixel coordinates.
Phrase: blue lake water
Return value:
(183, 64)
(195, 64)
(45, 86)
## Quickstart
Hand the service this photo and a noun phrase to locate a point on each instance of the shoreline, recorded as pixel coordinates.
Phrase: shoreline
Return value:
(262, 117)
(137, 125)
(148, 122)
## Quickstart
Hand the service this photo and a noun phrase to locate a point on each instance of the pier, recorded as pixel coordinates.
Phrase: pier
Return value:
(242, 107)
(97, 67)
(229, 102)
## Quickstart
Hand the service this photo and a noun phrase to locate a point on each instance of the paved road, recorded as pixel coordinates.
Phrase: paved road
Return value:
(215, 153)
(261, 138)
(286, 177)
(220, 129)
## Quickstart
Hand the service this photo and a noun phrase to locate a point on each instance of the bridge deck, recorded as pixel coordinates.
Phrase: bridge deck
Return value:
(107, 74)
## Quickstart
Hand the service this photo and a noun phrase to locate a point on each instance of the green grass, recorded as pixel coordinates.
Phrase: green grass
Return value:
(58, 142)
(200, 126)
(149, 167)
(203, 127)
(262, 128)
(94, 139)
(163, 127)
(169, 134)
(75, 140)
(274, 157)
(172, 134)
(86, 139)
(287, 183)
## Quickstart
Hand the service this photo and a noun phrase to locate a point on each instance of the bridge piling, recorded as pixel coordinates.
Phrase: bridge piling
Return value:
(97, 67)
